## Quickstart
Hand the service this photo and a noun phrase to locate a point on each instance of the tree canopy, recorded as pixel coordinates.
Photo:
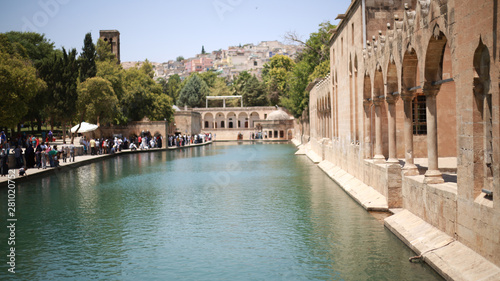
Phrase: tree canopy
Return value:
(286, 82)
(277, 76)
(87, 59)
(194, 92)
(18, 81)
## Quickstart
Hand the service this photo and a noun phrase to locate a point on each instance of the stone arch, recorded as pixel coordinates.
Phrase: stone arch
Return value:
(410, 69)
(329, 114)
(351, 100)
(381, 134)
(367, 88)
(336, 105)
(482, 121)
(254, 116)
(434, 56)
(243, 120)
(220, 120)
(440, 103)
(208, 121)
(392, 78)
(356, 99)
(378, 83)
(367, 120)
(231, 120)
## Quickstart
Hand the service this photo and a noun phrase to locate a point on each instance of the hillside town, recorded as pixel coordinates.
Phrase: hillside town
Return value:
(228, 63)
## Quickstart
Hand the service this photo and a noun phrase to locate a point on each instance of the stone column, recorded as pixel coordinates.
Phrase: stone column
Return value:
(366, 130)
(379, 156)
(409, 169)
(433, 175)
(391, 101)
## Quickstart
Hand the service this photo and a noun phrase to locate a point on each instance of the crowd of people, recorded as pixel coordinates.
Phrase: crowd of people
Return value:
(34, 152)
(183, 140)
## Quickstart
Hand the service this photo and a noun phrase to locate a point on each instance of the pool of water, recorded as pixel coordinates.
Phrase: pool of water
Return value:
(219, 212)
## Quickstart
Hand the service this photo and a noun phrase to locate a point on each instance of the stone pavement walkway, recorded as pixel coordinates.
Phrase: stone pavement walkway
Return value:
(82, 160)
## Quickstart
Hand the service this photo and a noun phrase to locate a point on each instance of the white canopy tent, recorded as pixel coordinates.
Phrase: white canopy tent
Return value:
(86, 127)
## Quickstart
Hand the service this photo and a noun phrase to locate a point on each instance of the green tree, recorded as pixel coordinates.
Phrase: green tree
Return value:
(60, 73)
(320, 71)
(220, 88)
(317, 46)
(254, 93)
(297, 99)
(173, 87)
(276, 75)
(143, 97)
(252, 90)
(312, 63)
(210, 77)
(96, 100)
(18, 81)
(103, 51)
(37, 48)
(87, 59)
(66, 102)
(194, 92)
(179, 58)
(203, 50)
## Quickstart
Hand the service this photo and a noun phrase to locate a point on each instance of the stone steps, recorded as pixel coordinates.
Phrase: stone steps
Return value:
(450, 258)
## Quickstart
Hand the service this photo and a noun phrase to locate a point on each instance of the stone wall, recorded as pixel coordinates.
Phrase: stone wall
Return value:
(447, 52)
(132, 129)
(186, 122)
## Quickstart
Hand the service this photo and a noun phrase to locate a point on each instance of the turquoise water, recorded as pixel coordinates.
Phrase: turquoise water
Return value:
(220, 212)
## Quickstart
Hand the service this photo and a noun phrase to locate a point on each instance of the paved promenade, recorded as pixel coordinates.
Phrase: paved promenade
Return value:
(83, 160)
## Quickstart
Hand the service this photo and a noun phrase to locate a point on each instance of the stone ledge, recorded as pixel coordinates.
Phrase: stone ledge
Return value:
(315, 158)
(450, 258)
(365, 195)
(82, 160)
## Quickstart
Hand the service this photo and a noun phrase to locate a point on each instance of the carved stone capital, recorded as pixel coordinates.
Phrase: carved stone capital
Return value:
(378, 101)
(391, 99)
(407, 95)
(430, 90)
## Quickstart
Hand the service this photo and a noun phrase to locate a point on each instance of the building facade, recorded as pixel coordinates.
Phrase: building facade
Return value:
(411, 109)
(245, 123)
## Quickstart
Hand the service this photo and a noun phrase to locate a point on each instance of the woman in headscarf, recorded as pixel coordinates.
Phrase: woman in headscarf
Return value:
(4, 163)
(30, 156)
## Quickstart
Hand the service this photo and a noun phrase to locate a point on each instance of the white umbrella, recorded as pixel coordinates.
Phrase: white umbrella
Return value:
(86, 127)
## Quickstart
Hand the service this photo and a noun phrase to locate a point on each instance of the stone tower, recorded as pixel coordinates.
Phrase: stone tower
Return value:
(113, 37)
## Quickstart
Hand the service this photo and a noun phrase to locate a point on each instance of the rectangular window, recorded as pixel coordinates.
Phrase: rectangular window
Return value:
(419, 116)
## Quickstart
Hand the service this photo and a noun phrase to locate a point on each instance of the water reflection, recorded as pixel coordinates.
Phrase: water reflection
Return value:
(223, 212)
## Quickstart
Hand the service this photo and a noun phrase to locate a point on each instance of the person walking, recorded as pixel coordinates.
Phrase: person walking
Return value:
(92, 147)
(72, 152)
(18, 154)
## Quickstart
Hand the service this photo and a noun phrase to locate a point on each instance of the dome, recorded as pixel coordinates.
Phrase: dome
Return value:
(278, 115)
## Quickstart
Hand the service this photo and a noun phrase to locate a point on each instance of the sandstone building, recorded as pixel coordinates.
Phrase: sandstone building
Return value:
(113, 37)
(410, 118)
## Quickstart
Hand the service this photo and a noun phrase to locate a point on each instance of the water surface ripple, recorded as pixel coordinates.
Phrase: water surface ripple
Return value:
(221, 212)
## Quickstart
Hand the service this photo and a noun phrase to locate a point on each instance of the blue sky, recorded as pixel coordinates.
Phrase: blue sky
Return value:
(162, 30)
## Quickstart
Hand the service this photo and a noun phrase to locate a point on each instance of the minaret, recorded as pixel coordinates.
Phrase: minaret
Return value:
(113, 37)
